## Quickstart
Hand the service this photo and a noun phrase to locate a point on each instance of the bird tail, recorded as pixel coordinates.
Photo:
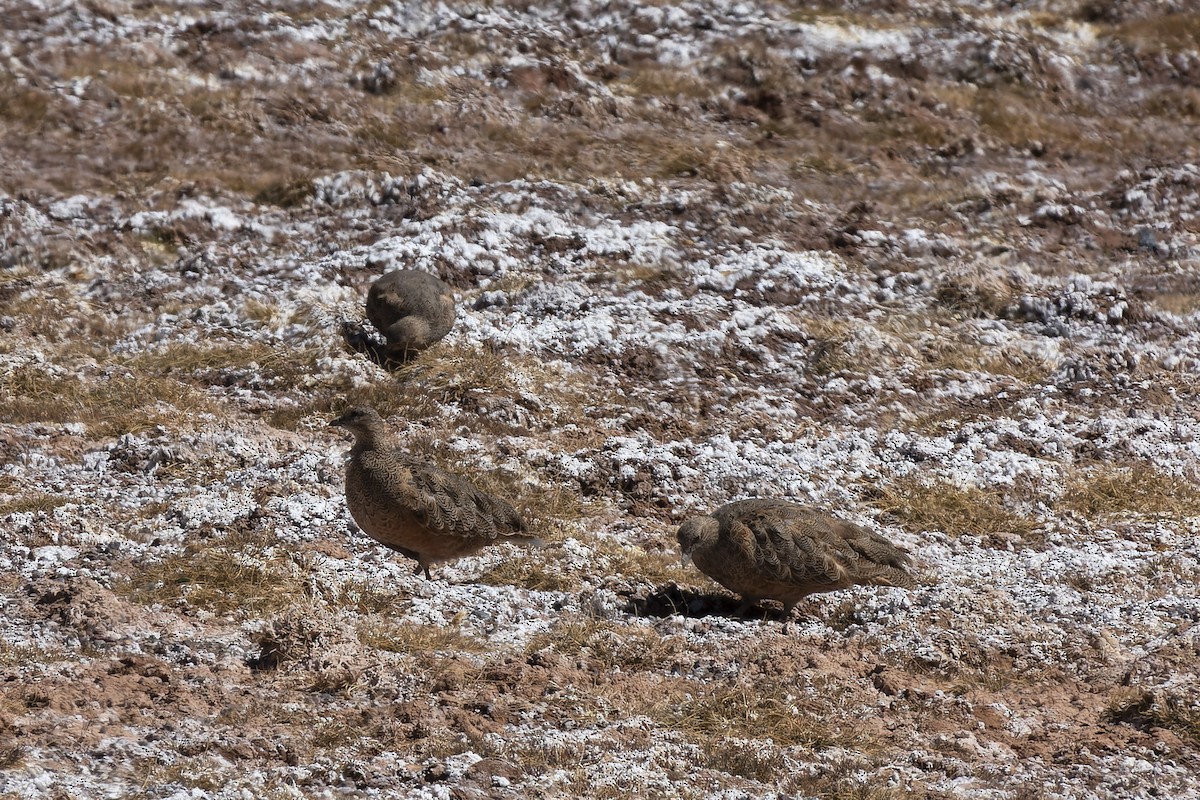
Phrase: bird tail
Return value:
(526, 539)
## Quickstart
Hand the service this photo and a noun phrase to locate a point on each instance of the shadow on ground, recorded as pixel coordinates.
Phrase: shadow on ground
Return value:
(359, 340)
(669, 600)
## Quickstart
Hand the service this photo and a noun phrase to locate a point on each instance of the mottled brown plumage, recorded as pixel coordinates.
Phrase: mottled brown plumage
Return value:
(411, 308)
(415, 508)
(777, 550)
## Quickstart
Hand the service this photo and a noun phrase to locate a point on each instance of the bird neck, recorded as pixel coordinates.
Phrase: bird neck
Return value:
(370, 437)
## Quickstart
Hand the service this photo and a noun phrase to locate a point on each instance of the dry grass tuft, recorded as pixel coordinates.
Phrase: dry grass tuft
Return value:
(494, 390)
(196, 773)
(659, 567)
(234, 577)
(657, 81)
(23, 105)
(710, 715)
(1018, 115)
(1173, 33)
(403, 637)
(366, 599)
(831, 346)
(716, 161)
(1137, 489)
(1160, 709)
(968, 357)
(257, 364)
(285, 191)
(843, 786)
(14, 654)
(1179, 303)
(520, 571)
(942, 506)
(978, 293)
(119, 401)
(35, 502)
(751, 759)
(11, 756)
(605, 646)
(448, 373)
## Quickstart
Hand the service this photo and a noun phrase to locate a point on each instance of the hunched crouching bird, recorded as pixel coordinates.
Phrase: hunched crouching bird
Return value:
(778, 550)
(415, 508)
(411, 308)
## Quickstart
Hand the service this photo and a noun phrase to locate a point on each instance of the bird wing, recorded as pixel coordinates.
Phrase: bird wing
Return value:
(874, 548)
(801, 555)
(450, 503)
(798, 545)
(860, 555)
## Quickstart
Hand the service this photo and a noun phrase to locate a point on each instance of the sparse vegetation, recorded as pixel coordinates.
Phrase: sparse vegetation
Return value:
(11, 655)
(366, 599)
(1139, 489)
(830, 349)
(744, 250)
(1172, 32)
(235, 578)
(11, 756)
(34, 501)
(606, 646)
(529, 575)
(714, 714)
(921, 505)
(114, 402)
(397, 637)
(230, 363)
(972, 358)
(1163, 709)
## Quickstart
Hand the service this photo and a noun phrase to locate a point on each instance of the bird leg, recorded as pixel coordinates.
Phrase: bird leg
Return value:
(751, 603)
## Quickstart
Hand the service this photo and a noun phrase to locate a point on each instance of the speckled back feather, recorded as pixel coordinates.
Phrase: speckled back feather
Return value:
(775, 549)
(450, 503)
(414, 507)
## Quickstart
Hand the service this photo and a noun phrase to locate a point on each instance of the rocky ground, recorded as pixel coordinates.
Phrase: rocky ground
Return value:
(934, 265)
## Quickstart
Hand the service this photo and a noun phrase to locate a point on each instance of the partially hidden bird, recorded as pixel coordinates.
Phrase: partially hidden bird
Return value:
(412, 309)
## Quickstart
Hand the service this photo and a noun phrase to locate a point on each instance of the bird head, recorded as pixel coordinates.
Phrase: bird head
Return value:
(696, 532)
(362, 421)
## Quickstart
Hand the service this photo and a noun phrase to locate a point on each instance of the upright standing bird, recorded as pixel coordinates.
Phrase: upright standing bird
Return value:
(777, 550)
(415, 508)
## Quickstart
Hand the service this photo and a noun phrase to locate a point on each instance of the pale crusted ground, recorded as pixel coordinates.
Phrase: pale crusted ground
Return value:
(934, 266)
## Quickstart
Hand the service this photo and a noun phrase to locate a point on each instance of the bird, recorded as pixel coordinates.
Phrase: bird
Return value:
(779, 550)
(415, 508)
(412, 309)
